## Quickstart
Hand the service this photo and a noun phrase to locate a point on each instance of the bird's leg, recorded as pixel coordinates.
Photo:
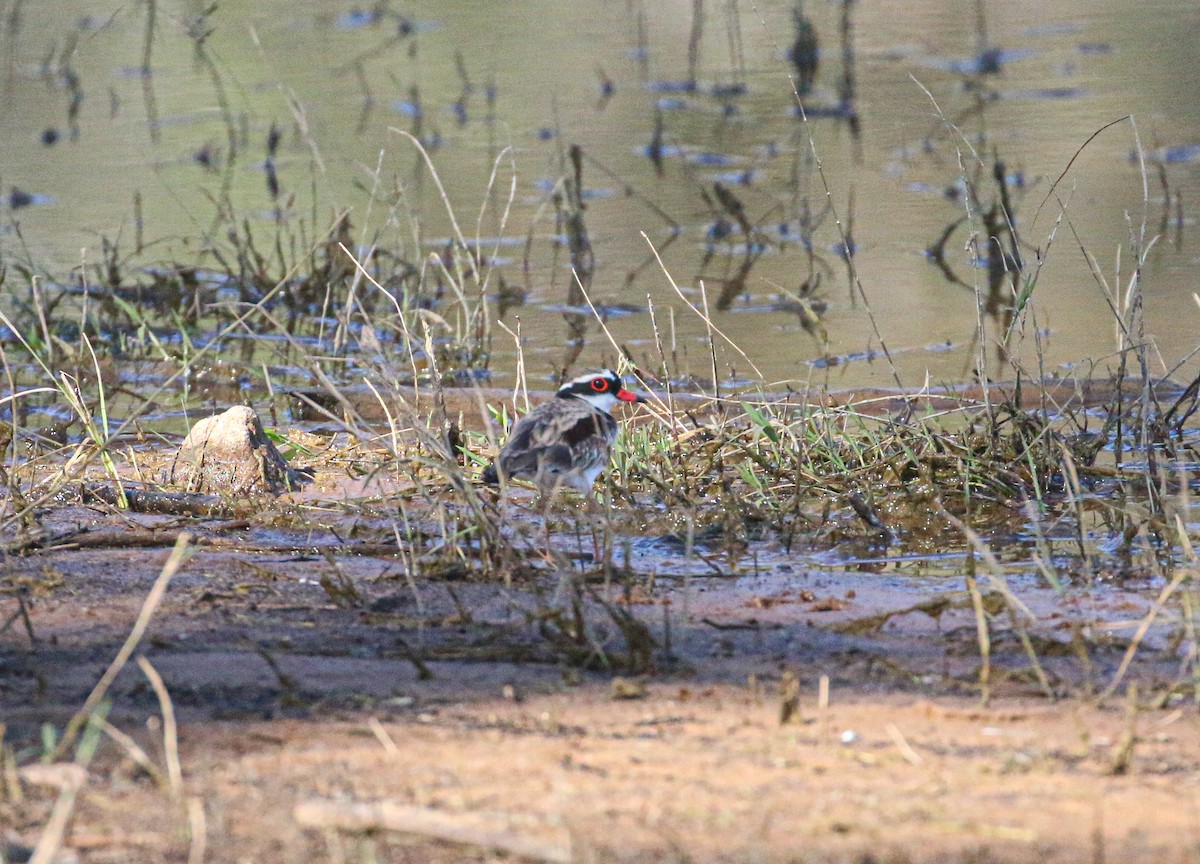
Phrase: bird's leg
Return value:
(591, 511)
(547, 498)
(595, 546)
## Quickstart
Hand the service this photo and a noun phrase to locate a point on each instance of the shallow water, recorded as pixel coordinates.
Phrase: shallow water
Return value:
(1066, 70)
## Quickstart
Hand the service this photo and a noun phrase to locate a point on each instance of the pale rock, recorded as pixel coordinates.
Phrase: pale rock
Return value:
(230, 454)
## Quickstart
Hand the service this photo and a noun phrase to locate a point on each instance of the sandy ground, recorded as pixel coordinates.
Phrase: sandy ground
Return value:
(305, 726)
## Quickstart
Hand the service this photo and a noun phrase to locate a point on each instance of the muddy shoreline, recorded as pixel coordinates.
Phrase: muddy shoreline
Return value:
(277, 681)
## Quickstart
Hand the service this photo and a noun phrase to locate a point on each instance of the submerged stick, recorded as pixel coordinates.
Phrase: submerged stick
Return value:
(1182, 574)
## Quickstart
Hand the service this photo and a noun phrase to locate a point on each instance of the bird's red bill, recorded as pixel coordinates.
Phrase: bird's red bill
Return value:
(627, 396)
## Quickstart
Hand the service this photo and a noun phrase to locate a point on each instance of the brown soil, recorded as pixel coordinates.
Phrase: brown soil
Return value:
(292, 707)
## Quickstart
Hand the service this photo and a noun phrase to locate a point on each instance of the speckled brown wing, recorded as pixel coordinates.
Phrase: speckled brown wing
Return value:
(562, 441)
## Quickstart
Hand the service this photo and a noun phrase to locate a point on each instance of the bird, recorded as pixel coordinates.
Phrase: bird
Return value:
(566, 440)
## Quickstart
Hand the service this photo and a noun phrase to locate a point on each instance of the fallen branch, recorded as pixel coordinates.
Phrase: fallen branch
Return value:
(488, 831)
(167, 503)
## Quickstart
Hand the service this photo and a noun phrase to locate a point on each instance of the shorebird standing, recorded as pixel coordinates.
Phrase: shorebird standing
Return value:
(567, 440)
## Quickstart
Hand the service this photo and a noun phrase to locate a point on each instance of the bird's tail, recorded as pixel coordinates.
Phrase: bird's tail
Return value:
(490, 476)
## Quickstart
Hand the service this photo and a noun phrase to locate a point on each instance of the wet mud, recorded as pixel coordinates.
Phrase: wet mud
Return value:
(786, 710)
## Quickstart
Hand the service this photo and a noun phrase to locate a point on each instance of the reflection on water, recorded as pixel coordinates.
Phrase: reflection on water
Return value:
(780, 157)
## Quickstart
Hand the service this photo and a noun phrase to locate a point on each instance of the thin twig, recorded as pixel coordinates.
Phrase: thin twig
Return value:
(178, 557)
(170, 728)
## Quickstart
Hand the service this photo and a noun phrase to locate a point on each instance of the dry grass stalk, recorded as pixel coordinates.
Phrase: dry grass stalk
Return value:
(177, 558)
(170, 728)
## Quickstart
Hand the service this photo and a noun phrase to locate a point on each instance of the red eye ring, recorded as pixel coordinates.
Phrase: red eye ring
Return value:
(599, 384)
